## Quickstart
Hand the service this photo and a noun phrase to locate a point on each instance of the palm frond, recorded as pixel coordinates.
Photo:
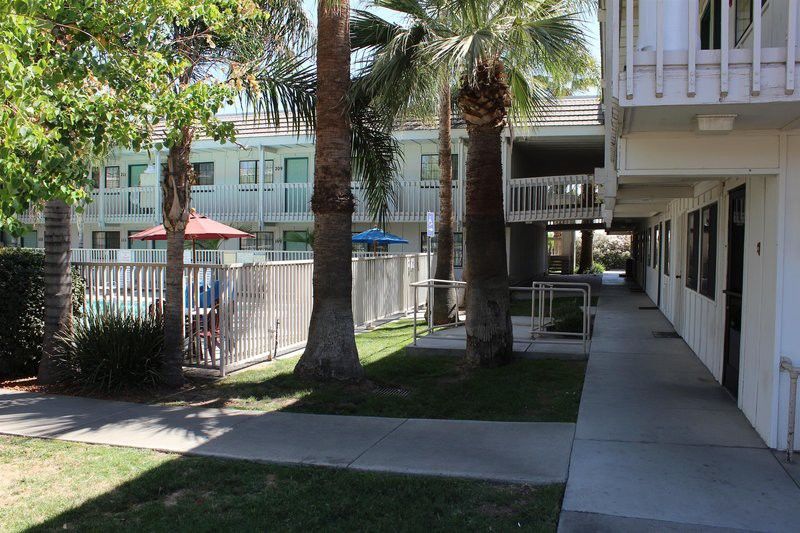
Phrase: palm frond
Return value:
(282, 89)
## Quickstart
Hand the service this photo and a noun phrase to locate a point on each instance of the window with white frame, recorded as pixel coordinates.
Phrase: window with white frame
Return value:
(263, 240)
(429, 170)
(103, 240)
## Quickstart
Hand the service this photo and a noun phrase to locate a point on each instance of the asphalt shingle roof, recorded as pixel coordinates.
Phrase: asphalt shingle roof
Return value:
(583, 111)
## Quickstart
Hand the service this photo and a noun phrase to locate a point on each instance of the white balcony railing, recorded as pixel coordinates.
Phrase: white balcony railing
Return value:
(528, 199)
(552, 198)
(659, 58)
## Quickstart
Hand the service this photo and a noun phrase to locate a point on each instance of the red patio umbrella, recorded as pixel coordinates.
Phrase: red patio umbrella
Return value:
(199, 227)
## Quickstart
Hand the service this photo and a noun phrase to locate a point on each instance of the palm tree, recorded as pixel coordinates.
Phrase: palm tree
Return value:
(422, 84)
(502, 53)
(331, 349)
(259, 58)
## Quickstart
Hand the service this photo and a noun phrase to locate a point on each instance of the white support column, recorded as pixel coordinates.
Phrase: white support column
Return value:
(756, 49)
(261, 187)
(629, 66)
(724, 45)
(791, 46)
(692, 48)
(659, 48)
(462, 181)
(101, 204)
(506, 164)
(159, 212)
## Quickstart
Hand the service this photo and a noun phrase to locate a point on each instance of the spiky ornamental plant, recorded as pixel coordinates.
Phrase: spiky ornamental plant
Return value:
(508, 58)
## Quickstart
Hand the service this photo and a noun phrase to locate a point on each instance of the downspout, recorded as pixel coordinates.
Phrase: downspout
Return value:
(793, 371)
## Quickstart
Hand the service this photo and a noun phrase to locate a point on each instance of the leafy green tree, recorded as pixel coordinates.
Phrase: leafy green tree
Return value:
(508, 57)
(254, 56)
(78, 77)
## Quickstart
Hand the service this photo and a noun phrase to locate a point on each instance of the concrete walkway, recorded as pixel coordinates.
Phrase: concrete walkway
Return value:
(659, 445)
(501, 451)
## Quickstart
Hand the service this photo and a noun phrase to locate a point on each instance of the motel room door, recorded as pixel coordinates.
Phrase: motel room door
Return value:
(734, 289)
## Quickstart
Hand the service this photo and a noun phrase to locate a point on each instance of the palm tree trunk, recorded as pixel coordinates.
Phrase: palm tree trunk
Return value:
(484, 101)
(331, 352)
(176, 187)
(57, 283)
(587, 243)
(489, 334)
(445, 301)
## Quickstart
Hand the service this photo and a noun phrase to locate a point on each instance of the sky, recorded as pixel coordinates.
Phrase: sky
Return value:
(591, 25)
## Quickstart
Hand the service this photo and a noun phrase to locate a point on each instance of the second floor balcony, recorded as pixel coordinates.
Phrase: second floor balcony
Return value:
(702, 52)
(269, 202)
(538, 199)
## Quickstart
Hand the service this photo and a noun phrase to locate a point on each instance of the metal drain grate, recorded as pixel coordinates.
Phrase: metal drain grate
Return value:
(648, 307)
(391, 391)
(666, 335)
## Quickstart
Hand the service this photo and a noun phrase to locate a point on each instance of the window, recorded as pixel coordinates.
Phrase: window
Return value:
(657, 245)
(135, 175)
(708, 251)
(203, 173)
(296, 241)
(692, 248)
(359, 246)
(711, 26)
(744, 16)
(430, 167)
(458, 247)
(647, 249)
(105, 239)
(29, 239)
(137, 244)
(248, 173)
(264, 240)
(112, 177)
(667, 241)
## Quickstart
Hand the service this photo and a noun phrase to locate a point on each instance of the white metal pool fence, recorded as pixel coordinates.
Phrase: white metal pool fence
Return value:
(241, 314)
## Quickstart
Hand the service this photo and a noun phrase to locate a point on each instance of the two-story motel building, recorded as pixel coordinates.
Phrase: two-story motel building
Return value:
(694, 148)
(702, 161)
(263, 184)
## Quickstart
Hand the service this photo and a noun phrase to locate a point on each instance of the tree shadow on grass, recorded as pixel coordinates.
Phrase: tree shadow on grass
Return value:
(157, 492)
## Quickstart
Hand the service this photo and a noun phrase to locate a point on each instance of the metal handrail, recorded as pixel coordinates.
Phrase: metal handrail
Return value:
(787, 366)
(539, 320)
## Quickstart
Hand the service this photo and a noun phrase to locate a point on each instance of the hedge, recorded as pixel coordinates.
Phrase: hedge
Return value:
(22, 310)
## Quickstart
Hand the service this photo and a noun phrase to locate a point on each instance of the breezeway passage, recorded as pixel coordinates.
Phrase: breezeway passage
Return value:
(659, 444)
(520, 452)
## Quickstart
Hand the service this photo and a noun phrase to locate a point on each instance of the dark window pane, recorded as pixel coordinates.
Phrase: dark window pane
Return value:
(708, 251)
(203, 173)
(692, 248)
(264, 240)
(667, 242)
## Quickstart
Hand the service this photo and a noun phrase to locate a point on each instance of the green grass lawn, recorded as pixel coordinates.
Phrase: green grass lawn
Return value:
(420, 386)
(50, 485)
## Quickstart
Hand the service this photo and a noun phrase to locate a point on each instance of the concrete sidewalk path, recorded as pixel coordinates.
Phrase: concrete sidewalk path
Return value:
(659, 444)
(516, 452)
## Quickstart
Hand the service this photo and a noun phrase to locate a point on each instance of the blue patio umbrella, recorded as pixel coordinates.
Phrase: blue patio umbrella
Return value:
(377, 236)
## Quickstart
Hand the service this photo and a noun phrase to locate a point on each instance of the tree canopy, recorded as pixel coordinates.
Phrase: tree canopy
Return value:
(80, 77)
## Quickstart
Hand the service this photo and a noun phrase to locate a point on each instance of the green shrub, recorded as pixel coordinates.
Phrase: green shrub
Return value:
(23, 307)
(568, 319)
(111, 352)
